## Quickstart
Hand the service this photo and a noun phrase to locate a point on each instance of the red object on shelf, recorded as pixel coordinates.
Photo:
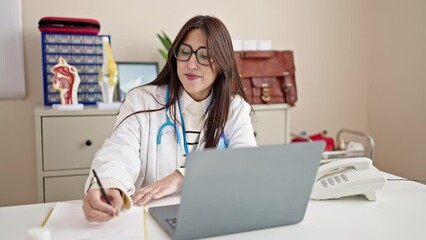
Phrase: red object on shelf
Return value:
(329, 142)
(69, 25)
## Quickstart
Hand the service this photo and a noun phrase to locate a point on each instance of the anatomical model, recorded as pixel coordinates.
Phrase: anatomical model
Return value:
(66, 81)
(108, 75)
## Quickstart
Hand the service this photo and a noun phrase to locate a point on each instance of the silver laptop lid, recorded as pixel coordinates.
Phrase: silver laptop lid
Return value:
(237, 190)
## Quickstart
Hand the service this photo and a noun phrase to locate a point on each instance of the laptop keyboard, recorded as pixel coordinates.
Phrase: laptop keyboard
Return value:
(172, 222)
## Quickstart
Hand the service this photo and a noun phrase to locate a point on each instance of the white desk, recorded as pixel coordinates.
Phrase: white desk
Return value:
(399, 213)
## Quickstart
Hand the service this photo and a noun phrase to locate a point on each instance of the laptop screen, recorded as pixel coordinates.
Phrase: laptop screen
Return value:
(235, 190)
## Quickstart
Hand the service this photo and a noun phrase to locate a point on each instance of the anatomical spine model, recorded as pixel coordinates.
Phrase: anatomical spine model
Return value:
(108, 74)
(66, 81)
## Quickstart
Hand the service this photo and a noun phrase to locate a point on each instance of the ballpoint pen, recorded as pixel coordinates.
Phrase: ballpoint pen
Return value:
(102, 190)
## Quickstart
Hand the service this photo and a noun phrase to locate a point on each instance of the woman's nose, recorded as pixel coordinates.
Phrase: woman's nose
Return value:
(193, 62)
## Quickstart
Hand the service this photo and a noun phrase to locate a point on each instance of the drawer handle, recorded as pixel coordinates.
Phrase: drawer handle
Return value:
(88, 143)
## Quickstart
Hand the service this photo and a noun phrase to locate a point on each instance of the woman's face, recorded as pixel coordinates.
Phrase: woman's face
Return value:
(196, 79)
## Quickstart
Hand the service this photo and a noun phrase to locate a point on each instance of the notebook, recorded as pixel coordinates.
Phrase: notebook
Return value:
(236, 190)
(67, 222)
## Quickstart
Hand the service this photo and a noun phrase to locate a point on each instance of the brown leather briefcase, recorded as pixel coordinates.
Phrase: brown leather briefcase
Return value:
(267, 76)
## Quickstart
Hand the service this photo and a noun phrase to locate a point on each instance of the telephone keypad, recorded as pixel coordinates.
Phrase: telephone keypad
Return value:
(330, 181)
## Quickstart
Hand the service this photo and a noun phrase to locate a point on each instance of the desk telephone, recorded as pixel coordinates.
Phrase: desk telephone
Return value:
(347, 177)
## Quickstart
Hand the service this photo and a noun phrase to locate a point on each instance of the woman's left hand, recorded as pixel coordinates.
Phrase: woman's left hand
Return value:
(166, 186)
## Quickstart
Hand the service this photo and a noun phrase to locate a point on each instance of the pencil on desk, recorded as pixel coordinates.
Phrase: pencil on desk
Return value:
(46, 218)
(103, 190)
(145, 210)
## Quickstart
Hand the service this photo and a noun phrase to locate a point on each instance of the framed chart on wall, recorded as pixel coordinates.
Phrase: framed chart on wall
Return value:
(133, 74)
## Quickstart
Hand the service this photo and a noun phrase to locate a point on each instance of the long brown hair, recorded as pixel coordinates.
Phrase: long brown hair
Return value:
(226, 84)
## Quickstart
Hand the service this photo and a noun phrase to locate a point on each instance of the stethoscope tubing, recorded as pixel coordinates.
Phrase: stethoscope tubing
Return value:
(180, 144)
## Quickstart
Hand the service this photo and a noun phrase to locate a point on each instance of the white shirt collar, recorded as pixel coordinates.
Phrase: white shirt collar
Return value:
(201, 106)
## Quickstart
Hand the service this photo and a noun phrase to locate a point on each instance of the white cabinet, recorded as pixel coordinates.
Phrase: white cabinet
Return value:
(66, 142)
(60, 188)
(271, 124)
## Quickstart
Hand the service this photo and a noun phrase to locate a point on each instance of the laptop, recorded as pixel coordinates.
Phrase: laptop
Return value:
(244, 189)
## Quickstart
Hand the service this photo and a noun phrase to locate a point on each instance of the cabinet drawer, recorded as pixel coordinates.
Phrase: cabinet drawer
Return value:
(70, 142)
(64, 188)
(270, 126)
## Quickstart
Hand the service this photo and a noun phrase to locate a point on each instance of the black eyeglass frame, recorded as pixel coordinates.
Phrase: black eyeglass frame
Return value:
(190, 55)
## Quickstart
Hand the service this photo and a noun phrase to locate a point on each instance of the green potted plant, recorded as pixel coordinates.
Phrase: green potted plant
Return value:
(167, 44)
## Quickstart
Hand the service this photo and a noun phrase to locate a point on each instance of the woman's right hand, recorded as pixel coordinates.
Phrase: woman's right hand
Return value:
(96, 209)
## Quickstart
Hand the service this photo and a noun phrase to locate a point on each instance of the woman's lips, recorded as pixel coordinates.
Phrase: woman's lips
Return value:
(191, 77)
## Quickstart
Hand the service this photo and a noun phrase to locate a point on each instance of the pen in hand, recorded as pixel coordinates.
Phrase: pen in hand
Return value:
(102, 190)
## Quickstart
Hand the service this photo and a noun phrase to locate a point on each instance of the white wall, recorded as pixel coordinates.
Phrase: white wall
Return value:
(397, 86)
(330, 40)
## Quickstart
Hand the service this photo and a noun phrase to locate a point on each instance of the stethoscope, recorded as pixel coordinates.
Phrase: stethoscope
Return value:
(181, 141)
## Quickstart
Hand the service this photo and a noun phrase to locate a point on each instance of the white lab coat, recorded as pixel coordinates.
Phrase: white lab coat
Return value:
(130, 154)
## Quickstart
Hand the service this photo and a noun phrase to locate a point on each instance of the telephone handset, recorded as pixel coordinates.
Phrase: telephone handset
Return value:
(347, 177)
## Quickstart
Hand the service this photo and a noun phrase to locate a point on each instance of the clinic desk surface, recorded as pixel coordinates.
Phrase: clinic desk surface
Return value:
(399, 213)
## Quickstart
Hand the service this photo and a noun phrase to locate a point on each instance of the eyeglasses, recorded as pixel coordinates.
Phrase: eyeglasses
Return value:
(184, 52)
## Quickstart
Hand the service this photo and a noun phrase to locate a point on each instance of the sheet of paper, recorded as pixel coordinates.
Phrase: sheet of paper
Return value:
(67, 222)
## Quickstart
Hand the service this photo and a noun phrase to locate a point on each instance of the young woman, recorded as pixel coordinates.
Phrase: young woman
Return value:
(196, 102)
